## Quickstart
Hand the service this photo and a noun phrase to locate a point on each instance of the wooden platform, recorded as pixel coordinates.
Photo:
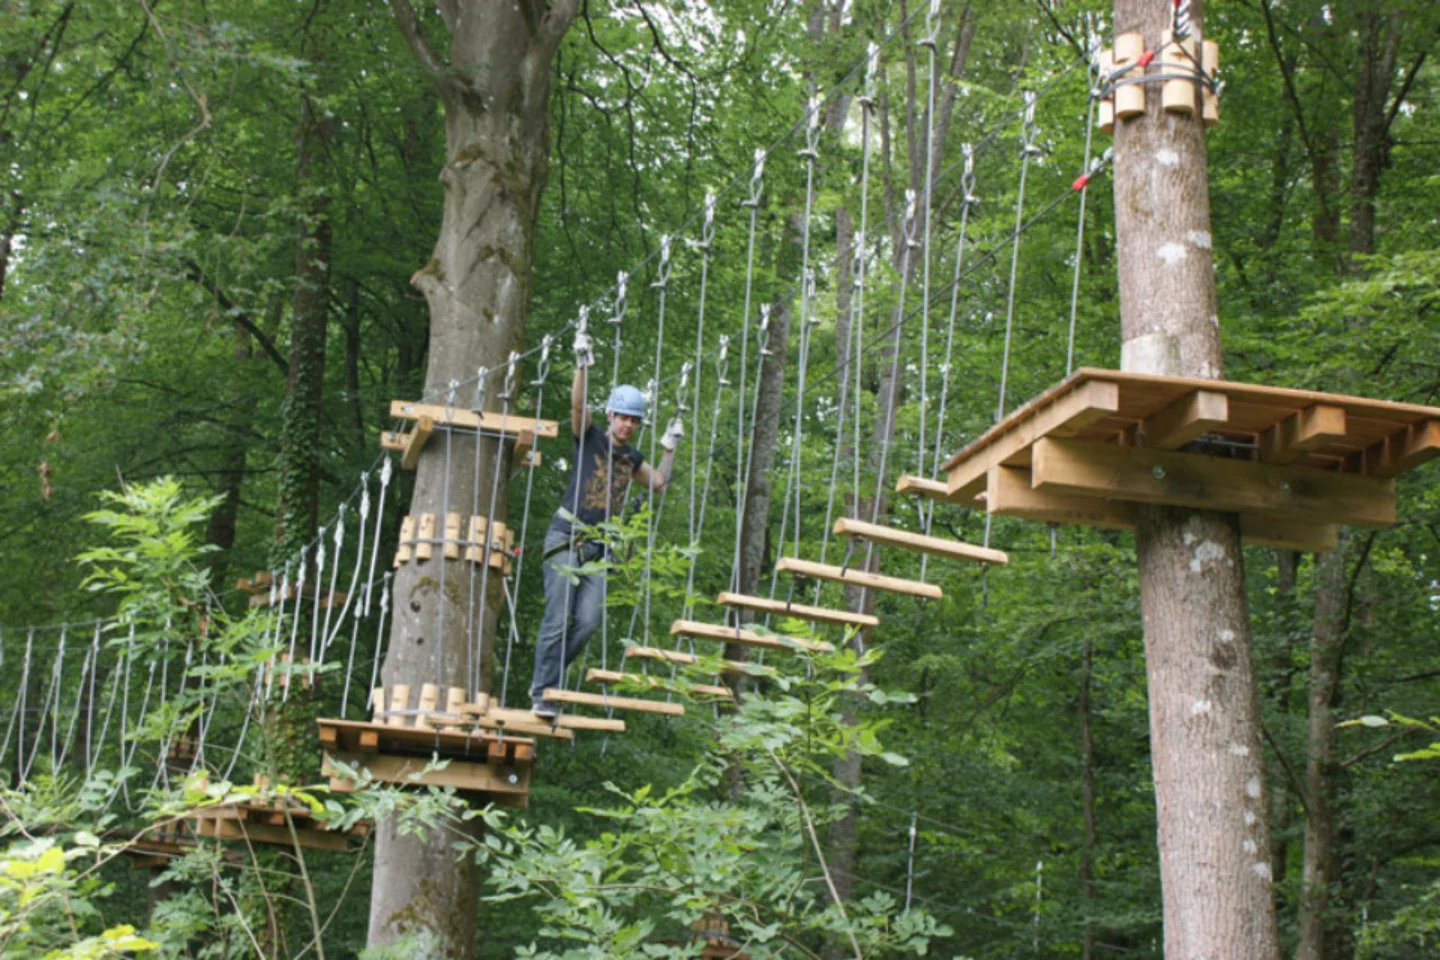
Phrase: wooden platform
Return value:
(905, 540)
(264, 821)
(1291, 463)
(858, 578)
(748, 638)
(158, 846)
(489, 766)
(799, 611)
(611, 678)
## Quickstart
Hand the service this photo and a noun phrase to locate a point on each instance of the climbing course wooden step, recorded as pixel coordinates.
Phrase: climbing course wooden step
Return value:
(749, 638)
(610, 678)
(690, 659)
(799, 611)
(607, 701)
(858, 578)
(1291, 463)
(935, 546)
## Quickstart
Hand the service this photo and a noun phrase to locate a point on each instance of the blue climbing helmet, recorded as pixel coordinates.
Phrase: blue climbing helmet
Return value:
(627, 400)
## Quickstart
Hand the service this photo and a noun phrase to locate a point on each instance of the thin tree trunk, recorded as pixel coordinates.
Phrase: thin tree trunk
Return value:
(1087, 794)
(494, 87)
(352, 363)
(1326, 645)
(220, 527)
(1282, 667)
(1204, 706)
(309, 321)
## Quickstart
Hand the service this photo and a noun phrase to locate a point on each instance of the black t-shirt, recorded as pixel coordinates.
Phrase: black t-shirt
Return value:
(591, 451)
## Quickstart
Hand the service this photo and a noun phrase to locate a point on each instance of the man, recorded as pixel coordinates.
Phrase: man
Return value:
(605, 466)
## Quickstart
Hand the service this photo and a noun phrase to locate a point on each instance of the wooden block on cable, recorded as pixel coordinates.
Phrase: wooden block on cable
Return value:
(505, 424)
(611, 678)
(935, 546)
(799, 611)
(749, 638)
(858, 578)
(606, 701)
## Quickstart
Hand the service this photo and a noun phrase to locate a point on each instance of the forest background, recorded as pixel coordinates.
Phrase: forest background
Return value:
(210, 214)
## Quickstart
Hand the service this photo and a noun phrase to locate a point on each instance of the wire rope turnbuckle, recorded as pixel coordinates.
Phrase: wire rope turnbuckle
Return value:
(757, 180)
(682, 404)
(811, 153)
(1029, 130)
(507, 391)
(722, 361)
(662, 271)
(1187, 61)
(932, 26)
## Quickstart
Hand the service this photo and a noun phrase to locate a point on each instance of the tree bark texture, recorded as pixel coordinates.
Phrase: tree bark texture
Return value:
(1326, 647)
(1087, 791)
(494, 87)
(300, 444)
(1204, 704)
(1282, 668)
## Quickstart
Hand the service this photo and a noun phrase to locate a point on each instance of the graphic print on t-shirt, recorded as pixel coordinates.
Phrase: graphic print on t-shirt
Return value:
(593, 496)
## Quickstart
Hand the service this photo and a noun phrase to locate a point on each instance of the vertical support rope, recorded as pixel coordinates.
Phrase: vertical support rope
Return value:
(704, 245)
(507, 393)
(867, 104)
(757, 186)
(442, 594)
(968, 202)
(19, 714)
(932, 26)
(294, 623)
(339, 542)
(662, 282)
(1027, 150)
(547, 343)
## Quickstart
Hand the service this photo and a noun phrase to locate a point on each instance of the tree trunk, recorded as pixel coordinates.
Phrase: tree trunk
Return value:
(300, 445)
(494, 89)
(1326, 645)
(1282, 671)
(1204, 705)
(1380, 35)
(1087, 794)
(220, 527)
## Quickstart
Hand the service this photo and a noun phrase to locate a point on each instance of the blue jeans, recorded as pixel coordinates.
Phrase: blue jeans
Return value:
(572, 612)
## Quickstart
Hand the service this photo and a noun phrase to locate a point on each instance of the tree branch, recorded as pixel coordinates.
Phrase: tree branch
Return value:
(196, 273)
(409, 25)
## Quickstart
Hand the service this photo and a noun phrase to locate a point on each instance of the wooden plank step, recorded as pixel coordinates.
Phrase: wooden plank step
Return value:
(505, 423)
(514, 719)
(615, 678)
(929, 489)
(858, 578)
(618, 703)
(749, 638)
(685, 659)
(799, 611)
(935, 546)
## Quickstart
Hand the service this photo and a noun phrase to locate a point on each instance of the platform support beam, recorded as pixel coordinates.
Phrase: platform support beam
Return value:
(1206, 748)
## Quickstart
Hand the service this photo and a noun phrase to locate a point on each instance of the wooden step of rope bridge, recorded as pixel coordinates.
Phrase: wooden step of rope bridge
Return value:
(748, 638)
(612, 678)
(690, 660)
(799, 611)
(1291, 463)
(275, 821)
(921, 543)
(858, 578)
(606, 701)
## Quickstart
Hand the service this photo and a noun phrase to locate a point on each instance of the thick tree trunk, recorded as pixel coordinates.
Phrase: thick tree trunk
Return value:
(1204, 705)
(494, 89)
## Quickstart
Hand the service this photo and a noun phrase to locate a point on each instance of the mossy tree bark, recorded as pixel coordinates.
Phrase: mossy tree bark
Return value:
(493, 87)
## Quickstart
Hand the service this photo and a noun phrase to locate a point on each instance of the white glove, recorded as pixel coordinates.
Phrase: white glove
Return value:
(673, 433)
(584, 350)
